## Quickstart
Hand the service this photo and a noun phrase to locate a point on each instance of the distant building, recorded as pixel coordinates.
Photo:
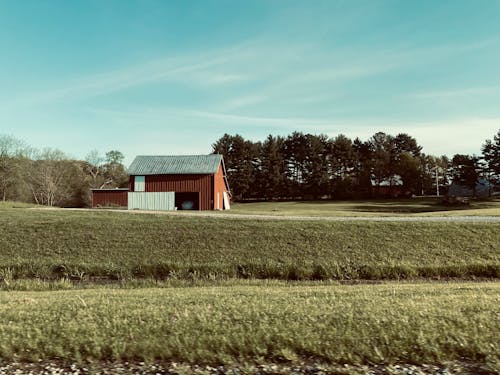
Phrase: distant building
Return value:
(389, 187)
(195, 182)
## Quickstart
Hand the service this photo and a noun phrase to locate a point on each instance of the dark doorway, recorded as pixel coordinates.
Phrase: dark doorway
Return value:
(187, 201)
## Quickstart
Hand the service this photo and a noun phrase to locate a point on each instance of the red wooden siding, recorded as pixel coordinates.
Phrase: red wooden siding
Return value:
(109, 197)
(219, 188)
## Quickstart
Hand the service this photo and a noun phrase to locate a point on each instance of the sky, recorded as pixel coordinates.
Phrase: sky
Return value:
(171, 77)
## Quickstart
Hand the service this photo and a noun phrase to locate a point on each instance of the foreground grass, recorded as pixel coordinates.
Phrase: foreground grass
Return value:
(377, 324)
(78, 245)
(417, 206)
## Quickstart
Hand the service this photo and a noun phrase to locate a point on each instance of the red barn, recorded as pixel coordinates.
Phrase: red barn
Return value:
(195, 182)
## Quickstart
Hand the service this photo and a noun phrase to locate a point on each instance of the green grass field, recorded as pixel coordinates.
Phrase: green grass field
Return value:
(367, 324)
(416, 207)
(173, 288)
(110, 245)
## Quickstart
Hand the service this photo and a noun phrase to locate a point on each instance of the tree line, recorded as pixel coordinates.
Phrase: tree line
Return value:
(308, 166)
(50, 177)
(299, 166)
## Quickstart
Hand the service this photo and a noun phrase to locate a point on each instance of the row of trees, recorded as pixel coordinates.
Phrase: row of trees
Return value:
(312, 166)
(50, 177)
(297, 166)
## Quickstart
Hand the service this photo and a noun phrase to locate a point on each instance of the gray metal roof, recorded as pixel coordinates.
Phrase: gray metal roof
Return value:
(175, 164)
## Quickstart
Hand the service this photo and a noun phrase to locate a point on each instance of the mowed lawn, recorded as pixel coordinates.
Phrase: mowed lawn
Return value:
(363, 324)
(412, 207)
(79, 244)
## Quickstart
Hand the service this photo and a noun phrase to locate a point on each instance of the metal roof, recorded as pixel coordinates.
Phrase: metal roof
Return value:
(175, 164)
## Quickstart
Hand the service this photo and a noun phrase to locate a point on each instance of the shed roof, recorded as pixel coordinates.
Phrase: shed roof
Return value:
(175, 164)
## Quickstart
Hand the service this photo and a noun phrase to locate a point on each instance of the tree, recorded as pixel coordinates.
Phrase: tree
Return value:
(394, 158)
(405, 161)
(465, 171)
(13, 157)
(491, 157)
(48, 178)
(271, 173)
(113, 171)
(114, 157)
(341, 163)
(409, 168)
(362, 166)
(316, 176)
(306, 164)
(241, 160)
(381, 145)
(9, 176)
(403, 143)
(94, 169)
(295, 153)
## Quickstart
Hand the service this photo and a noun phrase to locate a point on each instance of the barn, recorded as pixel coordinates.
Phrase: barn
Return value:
(182, 182)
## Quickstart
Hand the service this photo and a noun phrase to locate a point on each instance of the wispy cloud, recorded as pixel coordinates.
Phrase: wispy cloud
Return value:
(198, 69)
(257, 71)
(458, 92)
(225, 118)
(243, 101)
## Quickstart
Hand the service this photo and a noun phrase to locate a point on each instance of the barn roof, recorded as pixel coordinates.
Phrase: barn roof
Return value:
(175, 164)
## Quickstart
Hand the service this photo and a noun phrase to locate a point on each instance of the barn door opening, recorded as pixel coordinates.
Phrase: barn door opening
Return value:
(187, 201)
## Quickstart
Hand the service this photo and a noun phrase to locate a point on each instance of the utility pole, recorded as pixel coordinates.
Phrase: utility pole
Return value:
(437, 182)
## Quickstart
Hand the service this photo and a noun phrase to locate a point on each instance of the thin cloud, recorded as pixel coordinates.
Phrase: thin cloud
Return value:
(244, 101)
(186, 68)
(273, 69)
(454, 93)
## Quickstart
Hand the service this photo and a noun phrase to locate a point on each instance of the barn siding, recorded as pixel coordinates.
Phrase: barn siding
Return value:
(183, 183)
(104, 198)
(219, 189)
(157, 201)
(131, 184)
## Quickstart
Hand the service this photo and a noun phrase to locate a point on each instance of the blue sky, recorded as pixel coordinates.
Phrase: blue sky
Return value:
(171, 77)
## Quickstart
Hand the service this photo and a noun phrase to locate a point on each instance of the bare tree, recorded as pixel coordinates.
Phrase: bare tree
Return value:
(13, 155)
(49, 178)
(94, 169)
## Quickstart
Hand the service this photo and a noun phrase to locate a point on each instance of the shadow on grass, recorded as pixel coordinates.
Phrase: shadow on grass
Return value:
(406, 209)
(402, 206)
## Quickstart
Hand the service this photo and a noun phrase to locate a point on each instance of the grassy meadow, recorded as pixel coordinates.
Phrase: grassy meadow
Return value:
(53, 244)
(97, 286)
(266, 322)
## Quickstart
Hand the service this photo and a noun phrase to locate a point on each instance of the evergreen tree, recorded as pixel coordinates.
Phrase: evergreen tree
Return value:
(241, 160)
(272, 168)
(464, 170)
(491, 157)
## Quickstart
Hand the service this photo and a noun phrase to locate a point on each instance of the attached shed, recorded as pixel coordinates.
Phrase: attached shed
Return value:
(109, 197)
(185, 182)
